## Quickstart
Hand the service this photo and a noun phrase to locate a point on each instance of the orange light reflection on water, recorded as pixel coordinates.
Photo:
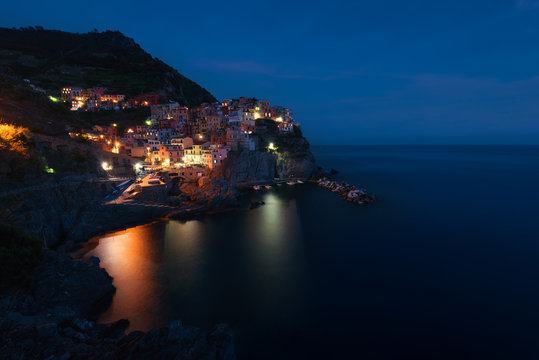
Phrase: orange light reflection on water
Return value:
(132, 259)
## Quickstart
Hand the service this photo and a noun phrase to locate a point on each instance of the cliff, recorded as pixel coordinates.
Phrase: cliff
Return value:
(289, 156)
(66, 213)
(52, 59)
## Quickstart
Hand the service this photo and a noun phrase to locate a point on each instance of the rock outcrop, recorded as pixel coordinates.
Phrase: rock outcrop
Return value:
(67, 213)
(51, 321)
(288, 157)
(296, 163)
(249, 167)
(346, 191)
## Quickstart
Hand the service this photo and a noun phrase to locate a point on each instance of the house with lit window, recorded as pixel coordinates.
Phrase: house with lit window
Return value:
(170, 154)
(216, 156)
(185, 142)
(196, 153)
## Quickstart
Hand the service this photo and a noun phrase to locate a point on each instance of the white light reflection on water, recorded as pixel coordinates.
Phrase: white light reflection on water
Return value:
(224, 267)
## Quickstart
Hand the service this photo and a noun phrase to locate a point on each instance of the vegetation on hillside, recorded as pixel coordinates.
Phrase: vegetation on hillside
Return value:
(267, 132)
(21, 163)
(14, 138)
(123, 119)
(23, 106)
(20, 253)
(17, 160)
(53, 59)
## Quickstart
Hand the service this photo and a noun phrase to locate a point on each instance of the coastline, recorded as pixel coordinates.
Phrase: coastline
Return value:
(71, 215)
(72, 304)
(57, 316)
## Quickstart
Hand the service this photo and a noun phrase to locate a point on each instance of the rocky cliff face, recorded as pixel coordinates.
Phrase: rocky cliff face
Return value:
(249, 167)
(290, 157)
(295, 159)
(67, 213)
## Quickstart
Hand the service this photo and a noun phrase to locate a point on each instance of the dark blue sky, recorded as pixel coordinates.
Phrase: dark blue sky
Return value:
(353, 72)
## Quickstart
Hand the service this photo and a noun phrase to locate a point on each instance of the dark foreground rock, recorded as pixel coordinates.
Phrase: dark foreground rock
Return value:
(54, 320)
(82, 339)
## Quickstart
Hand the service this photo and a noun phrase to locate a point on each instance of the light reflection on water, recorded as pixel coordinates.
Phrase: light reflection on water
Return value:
(132, 258)
(225, 267)
(443, 266)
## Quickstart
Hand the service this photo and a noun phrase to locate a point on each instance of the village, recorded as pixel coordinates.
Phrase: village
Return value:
(185, 142)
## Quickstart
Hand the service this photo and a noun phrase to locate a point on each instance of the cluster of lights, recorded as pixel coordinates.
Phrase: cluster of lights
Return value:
(138, 167)
(105, 165)
(116, 148)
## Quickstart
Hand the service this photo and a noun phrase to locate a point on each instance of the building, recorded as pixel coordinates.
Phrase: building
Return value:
(189, 173)
(112, 98)
(92, 99)
(184, 143)
(170, 154)
(238, 139)
(196, 153)
(216, 156)
(136, 148)
(109, 132)
(149, 99)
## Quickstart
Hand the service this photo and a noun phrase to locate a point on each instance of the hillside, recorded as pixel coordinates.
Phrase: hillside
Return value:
(52, 59)
(23, 106)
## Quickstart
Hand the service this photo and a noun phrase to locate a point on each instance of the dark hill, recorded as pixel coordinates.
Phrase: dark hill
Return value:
(52, 59)
(23, 106)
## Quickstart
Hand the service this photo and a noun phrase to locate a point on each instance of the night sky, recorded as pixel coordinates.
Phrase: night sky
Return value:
(353, 72)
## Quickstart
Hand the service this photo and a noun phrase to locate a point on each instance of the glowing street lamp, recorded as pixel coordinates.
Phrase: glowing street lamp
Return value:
(105, 165)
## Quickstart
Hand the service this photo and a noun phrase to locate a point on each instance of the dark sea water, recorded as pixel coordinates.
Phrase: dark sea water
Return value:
(444, 265)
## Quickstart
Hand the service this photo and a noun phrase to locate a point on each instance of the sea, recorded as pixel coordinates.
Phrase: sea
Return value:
(444, 265)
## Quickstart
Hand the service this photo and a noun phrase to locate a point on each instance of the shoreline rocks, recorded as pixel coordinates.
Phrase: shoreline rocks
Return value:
(56, 320)
(346, 191)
